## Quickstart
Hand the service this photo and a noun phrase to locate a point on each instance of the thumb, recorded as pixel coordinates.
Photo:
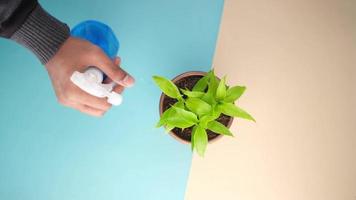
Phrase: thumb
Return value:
(114, 72)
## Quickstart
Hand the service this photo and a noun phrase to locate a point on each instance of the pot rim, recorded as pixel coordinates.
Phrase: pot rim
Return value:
(174, 80)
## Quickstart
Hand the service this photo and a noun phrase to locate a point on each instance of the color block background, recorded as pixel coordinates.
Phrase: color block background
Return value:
(297, 59)
(51, 152)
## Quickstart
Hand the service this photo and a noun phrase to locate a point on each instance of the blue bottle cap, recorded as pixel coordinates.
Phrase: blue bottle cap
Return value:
(99, 34)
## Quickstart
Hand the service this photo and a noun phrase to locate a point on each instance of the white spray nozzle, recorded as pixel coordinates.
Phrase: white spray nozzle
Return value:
(91, 82)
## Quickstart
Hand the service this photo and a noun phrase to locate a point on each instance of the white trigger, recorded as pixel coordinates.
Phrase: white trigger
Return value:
(91, 82)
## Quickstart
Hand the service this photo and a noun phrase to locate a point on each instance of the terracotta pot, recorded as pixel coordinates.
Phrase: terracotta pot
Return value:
(175, 80)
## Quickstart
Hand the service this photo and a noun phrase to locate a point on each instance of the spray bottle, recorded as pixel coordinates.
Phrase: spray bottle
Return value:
(91, 81)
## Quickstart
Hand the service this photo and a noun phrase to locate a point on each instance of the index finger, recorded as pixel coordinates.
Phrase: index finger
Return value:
(116, 73)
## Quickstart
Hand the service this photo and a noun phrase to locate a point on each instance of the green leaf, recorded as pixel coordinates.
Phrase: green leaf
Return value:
(192, 93)
(167, 87)
(216, 112)
(203, 121)
(168, 113)
(218, 127)
(232, 110)
(164, 117)
(200, 140)
(201, 84)
(209, 98)
(221, 90)
(198, 106)
(213, 84)
(182, 118)
(179, 104)
(169, 128)
(234, 93)
(192, 137)
(213, 115)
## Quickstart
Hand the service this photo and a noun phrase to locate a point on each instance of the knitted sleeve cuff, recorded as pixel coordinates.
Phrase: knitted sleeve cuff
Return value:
(42, 34)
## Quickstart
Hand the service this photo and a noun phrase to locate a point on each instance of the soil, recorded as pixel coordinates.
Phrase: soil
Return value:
(189, 82)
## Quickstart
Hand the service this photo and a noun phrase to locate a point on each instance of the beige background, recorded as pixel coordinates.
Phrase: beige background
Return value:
(297, 59)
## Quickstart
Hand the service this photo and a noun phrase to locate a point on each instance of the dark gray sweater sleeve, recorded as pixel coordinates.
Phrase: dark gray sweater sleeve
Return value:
(42, 34)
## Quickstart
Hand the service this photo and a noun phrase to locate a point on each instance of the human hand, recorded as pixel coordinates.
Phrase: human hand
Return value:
(76, 55)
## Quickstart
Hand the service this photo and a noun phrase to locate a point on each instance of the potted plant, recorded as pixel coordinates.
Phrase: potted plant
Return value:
(198, 107)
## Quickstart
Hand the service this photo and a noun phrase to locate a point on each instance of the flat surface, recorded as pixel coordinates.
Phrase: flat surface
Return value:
(298, 61)
(51, 152)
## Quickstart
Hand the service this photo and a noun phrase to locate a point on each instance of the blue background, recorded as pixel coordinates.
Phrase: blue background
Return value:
(48, 151)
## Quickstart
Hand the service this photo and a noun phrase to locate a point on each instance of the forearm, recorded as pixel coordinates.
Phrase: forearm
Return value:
(29, 25)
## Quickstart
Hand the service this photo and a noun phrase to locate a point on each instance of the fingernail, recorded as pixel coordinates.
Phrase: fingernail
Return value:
(127, 81)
